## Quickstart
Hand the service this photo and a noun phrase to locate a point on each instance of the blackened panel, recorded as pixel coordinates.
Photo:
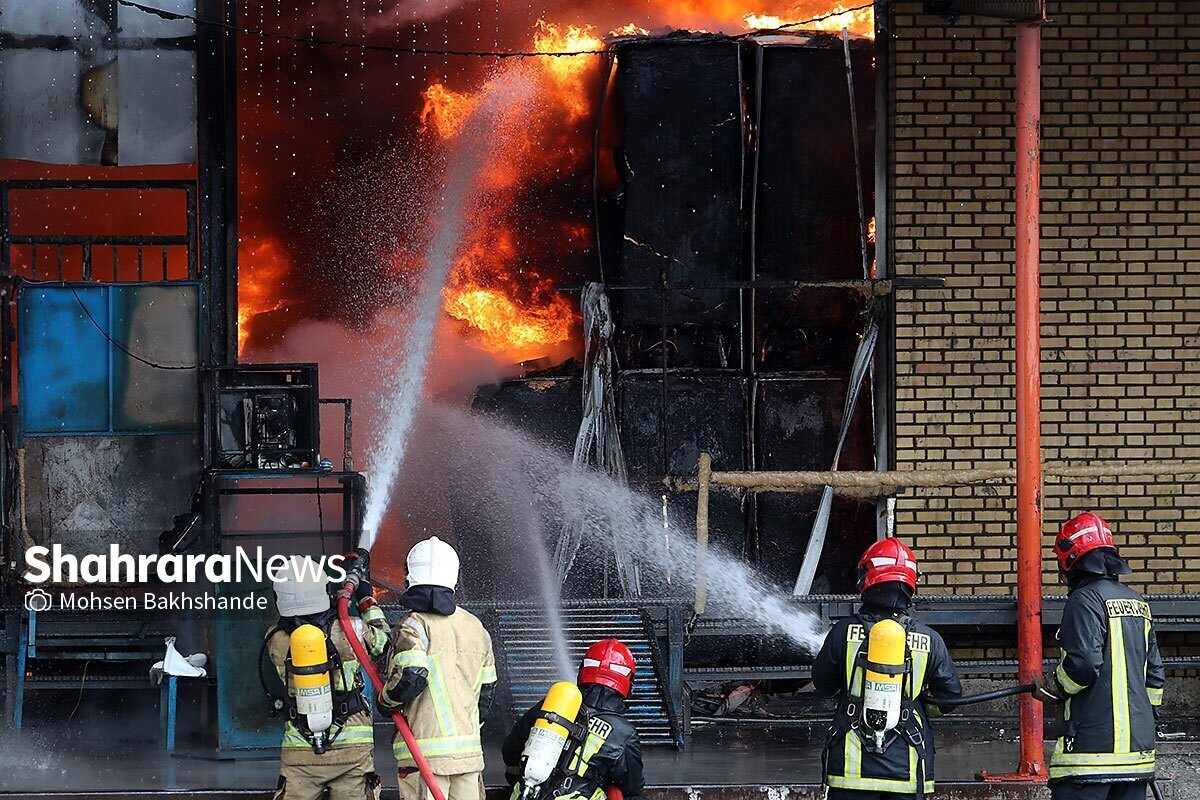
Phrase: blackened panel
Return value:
(496, 563)
(88, 492)
(808, 329)
(680, 160)
(548, 408)
(806, 204)
(797, 422)
(705, 414)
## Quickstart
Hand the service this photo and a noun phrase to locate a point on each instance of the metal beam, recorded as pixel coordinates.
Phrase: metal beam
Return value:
(216, 119)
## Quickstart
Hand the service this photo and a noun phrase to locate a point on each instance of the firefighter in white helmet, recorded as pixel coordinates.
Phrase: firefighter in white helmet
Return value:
(328, 742)
(441, 673)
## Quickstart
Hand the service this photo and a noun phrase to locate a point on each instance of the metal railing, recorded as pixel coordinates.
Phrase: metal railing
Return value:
(149, 268)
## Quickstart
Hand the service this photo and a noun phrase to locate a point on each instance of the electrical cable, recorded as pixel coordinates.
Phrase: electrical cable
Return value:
(120, 346)
(431, 51)
(82, 684)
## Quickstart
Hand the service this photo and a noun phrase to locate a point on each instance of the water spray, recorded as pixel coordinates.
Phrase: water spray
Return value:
(488, 130)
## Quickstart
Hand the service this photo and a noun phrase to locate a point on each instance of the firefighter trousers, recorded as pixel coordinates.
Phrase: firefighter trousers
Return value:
(354, 781)
(1126, 790)
(466, 786)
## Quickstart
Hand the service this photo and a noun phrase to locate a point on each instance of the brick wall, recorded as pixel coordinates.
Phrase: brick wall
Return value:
(1121, 279)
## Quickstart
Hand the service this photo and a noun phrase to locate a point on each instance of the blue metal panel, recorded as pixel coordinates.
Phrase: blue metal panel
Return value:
(73, 379)
(64, 364)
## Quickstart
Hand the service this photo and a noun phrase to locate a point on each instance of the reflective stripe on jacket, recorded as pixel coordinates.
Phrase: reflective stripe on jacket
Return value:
(1113, 676)
(933, 675)
(357, 736)
(457, 652)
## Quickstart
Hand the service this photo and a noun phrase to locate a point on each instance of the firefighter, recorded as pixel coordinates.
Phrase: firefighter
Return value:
(880, 743)
(606, 752)
(1109, 673)
(441, 675)
(336, 754)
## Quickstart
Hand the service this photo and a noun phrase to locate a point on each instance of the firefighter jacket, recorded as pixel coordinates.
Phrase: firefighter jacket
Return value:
(456, 652)
(609, 754)
(1112, 675)
(356, 737)
(906, 764)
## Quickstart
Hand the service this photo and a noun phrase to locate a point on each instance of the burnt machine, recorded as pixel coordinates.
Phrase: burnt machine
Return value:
(265, 417)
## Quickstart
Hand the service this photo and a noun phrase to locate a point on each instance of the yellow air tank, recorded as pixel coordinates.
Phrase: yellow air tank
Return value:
(883, 686)
(547, 738)
(310, 675)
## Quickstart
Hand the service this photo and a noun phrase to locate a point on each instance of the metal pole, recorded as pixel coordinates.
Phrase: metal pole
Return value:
(703, 473)
(1029, 384)
(1032, 766)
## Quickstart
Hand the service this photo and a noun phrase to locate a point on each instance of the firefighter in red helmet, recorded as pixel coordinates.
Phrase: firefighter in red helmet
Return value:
(609, 754)
(1109, 675)
(863, 759)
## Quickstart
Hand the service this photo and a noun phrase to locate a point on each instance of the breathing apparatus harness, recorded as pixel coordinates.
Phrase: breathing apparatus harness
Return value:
(859, 714)
(559, 729)
(346, 702)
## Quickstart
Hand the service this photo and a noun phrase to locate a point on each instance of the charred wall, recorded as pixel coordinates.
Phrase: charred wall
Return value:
(728, 195)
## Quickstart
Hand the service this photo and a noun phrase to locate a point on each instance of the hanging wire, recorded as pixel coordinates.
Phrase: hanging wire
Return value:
(446, 51)
(122, 347)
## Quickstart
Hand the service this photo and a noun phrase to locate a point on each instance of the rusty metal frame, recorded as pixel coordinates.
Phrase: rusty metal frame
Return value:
(89, 242)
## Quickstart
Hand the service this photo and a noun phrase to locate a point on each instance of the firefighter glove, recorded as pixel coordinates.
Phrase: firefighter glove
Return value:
(1046, 689)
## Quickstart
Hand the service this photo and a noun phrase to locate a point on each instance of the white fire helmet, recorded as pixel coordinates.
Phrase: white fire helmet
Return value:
(302, 588)
(433, 563)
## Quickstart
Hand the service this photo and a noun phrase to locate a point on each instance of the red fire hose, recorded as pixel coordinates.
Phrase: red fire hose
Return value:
(406, 733)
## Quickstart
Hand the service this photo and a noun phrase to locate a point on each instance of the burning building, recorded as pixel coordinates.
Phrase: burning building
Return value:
(322, 207)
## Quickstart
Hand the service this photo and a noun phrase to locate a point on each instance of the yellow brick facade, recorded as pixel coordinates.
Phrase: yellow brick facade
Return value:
(1121, 279)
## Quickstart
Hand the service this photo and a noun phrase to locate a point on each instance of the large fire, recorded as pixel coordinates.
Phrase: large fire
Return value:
(832, 18)
(504, 287)
(494, 288)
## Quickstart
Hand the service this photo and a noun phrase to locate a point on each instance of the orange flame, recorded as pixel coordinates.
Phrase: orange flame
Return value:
(566, 70)
(445, 110)
(259, 272)
(860, 21)
(503, 325)
(629, 29)
(510, 306)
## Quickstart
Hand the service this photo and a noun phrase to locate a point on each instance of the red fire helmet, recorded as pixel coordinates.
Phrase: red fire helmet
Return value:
(1079, 535)
(609, 663)
(887, 560)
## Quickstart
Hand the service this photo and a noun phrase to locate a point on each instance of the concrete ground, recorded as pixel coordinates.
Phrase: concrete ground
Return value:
(1184, 769)
(720, 757)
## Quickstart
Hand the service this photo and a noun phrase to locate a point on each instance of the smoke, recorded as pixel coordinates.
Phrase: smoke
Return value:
(401, 14)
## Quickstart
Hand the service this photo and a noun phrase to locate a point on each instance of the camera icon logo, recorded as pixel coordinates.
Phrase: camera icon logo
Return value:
(38, 600)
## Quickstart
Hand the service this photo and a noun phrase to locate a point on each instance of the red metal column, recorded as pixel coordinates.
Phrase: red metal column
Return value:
(1029, 385)
(1028, 364)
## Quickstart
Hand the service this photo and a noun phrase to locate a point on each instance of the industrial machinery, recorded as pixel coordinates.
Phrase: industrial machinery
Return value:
(265, 417)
